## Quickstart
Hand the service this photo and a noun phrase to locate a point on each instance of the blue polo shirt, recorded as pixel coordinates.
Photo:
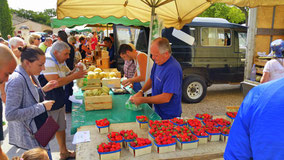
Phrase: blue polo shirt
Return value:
(258, 130)
(167, 78)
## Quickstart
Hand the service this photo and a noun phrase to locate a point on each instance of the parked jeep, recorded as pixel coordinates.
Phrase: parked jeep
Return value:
(213, 57)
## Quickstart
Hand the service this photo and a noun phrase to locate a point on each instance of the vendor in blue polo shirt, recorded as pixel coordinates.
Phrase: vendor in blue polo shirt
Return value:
(165, 81)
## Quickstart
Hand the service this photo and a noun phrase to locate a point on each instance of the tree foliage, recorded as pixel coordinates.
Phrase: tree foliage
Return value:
(231, 13)
(40, 17)
(6, 27)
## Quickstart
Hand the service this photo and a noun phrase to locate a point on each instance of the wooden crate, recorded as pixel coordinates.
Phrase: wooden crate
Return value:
(98, 102)
(94, 82)
(88, 87)
(185, 146)
(105, 63)
(260, 62)
(111, 83)
(203, 139)
(140, 150)
(104, 54)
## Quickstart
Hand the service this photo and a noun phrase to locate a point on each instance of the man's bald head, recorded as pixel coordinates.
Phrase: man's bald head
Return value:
(7, 63)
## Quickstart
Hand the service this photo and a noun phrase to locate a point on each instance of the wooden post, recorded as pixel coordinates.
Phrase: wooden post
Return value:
(252, 23)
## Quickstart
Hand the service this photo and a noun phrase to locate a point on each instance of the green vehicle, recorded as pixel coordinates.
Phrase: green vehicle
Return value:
(210, 51)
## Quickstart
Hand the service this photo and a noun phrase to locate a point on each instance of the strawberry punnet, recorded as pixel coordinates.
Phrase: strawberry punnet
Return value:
(211, 129)
(232, 114)
(224, 130)
(194, 123)
(108, 147)
(203, 116)
(142, 118)
(102, 123)
(186, 137)
(164, 140)
(139, 142)
(114, 136)
(128, 134)
(178, 121)
(199, 131)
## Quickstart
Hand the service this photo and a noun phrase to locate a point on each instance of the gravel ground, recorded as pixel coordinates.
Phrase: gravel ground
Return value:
(218, 97)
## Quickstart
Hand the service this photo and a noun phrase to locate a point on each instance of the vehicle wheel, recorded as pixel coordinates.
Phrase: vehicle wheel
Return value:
(194, 89)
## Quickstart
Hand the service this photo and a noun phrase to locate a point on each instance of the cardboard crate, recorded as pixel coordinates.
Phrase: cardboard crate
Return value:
(187, 145)
(98, 102)
(111, 83)
(165, 148)
(138, 151)
(110, 155)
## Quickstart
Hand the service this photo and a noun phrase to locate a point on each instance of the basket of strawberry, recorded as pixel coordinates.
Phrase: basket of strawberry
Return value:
(192, 123)
(142, 121)
(178, 122)
(164, 144)
(181, 129)
(222, 122)
(140, 146)
(187, 141)
(203, 116)
(103, 125)
(201, 134)
(210, 122)
(115, 137)
(213, 132)
(109, 151)
(231, 116)
(128, 136)
(224, 133)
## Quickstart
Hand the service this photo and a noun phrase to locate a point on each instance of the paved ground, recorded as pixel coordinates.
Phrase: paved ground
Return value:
(218, 97)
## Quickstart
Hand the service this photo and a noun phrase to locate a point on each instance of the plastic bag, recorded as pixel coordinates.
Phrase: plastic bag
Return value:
(129, 105)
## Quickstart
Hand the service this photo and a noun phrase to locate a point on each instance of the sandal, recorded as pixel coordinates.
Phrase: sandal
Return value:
(65, 156)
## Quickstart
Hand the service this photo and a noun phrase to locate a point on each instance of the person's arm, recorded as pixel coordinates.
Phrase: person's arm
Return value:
(3, 93)
(265, 77)
(62, 81)
(86, 49)
(145, 88)
(158, 99)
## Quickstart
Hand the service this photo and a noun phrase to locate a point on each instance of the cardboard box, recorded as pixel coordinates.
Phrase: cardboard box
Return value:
(110, 155)
(165, 148)
(98, 102)
(138, 151)
(187, 145)
(111, 83)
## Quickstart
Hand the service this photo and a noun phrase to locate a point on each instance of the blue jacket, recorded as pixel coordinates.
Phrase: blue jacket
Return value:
(22, 106)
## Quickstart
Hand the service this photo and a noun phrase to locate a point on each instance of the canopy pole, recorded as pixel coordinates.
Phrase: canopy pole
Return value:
(107, 31)
(149, 43)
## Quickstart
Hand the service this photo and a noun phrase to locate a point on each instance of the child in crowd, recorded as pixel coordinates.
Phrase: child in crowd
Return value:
(33, 154)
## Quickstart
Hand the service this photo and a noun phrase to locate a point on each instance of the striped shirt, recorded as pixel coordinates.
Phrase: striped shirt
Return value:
(52, 66)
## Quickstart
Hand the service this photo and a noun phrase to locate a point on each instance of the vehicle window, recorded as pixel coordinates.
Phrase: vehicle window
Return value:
(134, 35)
(242, 41)
(220, 37)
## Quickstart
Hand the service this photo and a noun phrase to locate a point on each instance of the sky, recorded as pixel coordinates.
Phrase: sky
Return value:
(34, 5)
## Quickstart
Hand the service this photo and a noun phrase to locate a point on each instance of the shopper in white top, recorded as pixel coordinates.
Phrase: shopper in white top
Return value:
(128, 53)
(274, 69)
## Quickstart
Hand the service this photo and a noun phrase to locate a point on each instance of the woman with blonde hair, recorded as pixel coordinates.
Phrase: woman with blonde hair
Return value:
(34, 39)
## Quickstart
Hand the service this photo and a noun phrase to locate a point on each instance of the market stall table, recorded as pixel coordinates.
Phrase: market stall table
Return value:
(88, 150)
(118, 113)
